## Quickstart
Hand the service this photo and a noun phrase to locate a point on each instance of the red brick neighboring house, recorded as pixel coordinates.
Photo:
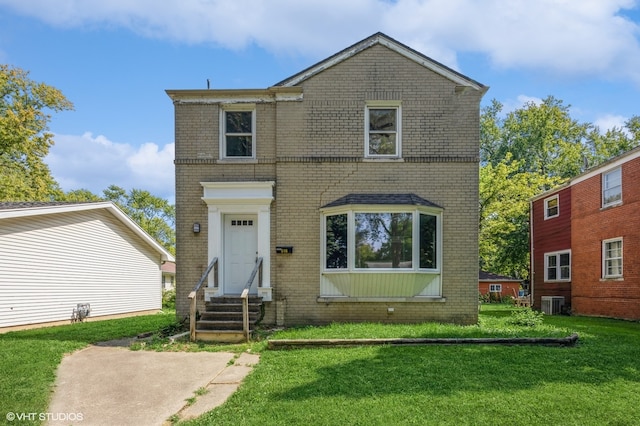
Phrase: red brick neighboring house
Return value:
(586, 246)
(498, 285)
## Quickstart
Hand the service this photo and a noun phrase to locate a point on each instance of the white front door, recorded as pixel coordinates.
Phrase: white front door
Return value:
(240, 251)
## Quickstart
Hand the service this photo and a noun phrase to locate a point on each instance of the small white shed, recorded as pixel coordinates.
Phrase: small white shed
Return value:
(54, 256)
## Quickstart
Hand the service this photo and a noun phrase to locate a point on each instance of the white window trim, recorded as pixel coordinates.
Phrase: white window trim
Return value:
(351, 210)
(223, 130)
(497, 288)
(546, 207)
(604, 258)
(602, 188)
(383, 105)
(556, 254)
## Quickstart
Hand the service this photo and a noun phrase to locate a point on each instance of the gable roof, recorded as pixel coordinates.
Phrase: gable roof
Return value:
(488, 276)
(28, 209)
(381, 199)
(396, 46)
(594, 171)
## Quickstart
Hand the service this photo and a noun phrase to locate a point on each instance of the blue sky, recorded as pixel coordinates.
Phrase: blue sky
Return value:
(114, 59)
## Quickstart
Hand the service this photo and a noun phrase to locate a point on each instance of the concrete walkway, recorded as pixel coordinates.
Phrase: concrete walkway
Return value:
(108, 384)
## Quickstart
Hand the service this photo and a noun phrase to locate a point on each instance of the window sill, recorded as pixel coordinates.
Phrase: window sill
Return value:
(619, 279)
(383, 160)
(557, 281)
(415, 299)
(237, 161)
(610, 206)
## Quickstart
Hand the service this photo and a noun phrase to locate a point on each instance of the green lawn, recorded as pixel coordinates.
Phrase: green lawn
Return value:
(29, 359)
(595, 383)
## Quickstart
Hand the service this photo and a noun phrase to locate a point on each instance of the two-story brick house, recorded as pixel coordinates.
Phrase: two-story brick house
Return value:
(585, 240)
(355, 181)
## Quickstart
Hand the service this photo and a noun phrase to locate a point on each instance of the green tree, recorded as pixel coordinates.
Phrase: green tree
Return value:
(505, 191)
(524, 153)
(154, 214)
(613, 142)
(543, 138)
(24, 137)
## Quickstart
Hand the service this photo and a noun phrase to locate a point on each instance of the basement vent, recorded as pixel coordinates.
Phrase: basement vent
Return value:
(552, 305)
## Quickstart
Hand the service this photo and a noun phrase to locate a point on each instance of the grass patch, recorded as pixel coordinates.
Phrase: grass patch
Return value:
(597, 382)
(594, 383)
(29, 359)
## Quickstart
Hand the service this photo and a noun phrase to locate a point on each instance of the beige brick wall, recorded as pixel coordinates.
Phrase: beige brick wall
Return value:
(319, 147)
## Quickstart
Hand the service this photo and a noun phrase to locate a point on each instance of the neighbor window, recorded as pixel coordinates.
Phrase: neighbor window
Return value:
(612, 258)
(382, 129)
(551, 207)
(612, 187)
(558, 266)
(363, 240)
(238, 132)
(495, 288)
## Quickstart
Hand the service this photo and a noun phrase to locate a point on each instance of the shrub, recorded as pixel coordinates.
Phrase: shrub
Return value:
(169, 299)
(526, 317)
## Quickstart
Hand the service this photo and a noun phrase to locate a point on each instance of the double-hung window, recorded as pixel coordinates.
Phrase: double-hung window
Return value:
(612, 187)
(557, 266)
(551, 208)
(238, 124)
(383, 130)
(612, 258)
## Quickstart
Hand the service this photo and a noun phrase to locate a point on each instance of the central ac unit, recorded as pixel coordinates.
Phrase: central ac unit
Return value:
(552, 305)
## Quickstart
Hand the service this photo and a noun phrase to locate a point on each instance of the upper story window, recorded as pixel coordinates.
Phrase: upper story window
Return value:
(612, 258)
(612, 187)
(551, 208)
(238, 124)
(382, 130)
(557, 266)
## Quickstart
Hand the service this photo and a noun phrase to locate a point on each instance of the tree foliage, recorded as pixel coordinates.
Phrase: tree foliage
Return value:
(504, 215)
(523, 153)
(24, 136)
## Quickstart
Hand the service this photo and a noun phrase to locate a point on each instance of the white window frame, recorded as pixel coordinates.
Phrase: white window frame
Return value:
(606, 260)
(608, 186)
(351, 211)
(398, 132)
(558, 267)
(223, 131)
(546, 207)
(495, 288)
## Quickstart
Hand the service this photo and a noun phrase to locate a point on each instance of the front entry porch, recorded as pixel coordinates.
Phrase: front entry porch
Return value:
(238, 279)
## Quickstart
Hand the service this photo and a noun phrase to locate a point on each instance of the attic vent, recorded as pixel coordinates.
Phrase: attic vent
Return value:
(552, 305)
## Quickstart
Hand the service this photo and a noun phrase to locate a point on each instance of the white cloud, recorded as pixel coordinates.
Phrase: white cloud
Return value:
(609, 121)
(586, 37)
(94, 163)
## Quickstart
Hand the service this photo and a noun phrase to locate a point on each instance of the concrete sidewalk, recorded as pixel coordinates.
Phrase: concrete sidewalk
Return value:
(111, 385)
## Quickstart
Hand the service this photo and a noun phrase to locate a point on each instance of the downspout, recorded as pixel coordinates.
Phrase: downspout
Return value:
(531, 263)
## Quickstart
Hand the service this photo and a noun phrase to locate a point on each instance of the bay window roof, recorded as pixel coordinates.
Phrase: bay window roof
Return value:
(381, 199)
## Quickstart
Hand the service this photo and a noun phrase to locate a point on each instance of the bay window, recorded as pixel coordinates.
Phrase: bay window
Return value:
(382, 240)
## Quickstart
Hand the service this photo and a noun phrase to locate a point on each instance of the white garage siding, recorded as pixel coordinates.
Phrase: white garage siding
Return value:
(49, 263)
